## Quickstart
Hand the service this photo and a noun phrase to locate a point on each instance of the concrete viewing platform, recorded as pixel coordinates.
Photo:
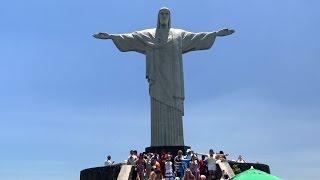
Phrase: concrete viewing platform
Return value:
(124, 172)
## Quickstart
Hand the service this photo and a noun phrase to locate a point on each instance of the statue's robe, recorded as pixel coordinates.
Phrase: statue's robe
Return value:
(164, 70)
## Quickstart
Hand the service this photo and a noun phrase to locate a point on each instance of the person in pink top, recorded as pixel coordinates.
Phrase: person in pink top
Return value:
(194, 167)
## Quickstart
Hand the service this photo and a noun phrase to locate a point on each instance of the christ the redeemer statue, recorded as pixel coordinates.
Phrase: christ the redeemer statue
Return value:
(163, 47)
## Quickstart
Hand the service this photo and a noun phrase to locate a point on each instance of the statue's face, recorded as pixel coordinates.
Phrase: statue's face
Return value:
(164, 16)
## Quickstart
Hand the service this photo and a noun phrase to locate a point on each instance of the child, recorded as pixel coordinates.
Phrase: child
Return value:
(168, 169)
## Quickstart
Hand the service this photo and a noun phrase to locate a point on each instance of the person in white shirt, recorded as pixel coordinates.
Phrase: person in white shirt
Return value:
(132, 159)
(169, 170)
(189, 154)
(108, 161)
(211, 164)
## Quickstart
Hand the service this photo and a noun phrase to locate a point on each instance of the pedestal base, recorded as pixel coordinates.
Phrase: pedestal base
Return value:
(112, 172)
(101, 173)
(172, 149)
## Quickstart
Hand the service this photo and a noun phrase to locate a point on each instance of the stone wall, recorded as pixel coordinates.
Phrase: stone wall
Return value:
(101, 173)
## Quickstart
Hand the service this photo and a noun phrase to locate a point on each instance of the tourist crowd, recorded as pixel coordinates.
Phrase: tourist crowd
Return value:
(187, 166)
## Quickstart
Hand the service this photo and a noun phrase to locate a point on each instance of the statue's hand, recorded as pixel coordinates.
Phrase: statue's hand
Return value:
(225, 32)
(102, 35)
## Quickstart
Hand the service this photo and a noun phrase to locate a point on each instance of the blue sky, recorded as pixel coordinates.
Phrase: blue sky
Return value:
(67, 100)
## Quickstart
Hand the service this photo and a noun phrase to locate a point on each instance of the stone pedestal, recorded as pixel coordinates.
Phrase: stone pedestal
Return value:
(101, 173)
(112, 172)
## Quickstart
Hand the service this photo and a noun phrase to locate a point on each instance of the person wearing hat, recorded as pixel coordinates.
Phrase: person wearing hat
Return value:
(189, 154)
(186, 160)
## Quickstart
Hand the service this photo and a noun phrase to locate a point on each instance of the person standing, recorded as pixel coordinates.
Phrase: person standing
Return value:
(168, 169)
(132, 158)
(108, 161)
(141, 166)
(211, 164)
(203, 166)
(178, 164)
(189, 154)
(194, 167)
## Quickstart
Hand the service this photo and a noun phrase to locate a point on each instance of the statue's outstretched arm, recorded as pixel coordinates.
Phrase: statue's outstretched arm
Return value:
(124, 42)
(224, 32)
(103, 35)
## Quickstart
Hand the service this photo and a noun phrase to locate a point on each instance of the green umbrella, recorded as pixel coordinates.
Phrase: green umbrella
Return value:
(254, 174)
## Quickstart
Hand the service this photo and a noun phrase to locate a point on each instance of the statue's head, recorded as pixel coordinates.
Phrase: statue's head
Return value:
(164, 20)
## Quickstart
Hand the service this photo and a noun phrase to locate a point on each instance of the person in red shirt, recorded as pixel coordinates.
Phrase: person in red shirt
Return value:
(162, 162)
(203, 167)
